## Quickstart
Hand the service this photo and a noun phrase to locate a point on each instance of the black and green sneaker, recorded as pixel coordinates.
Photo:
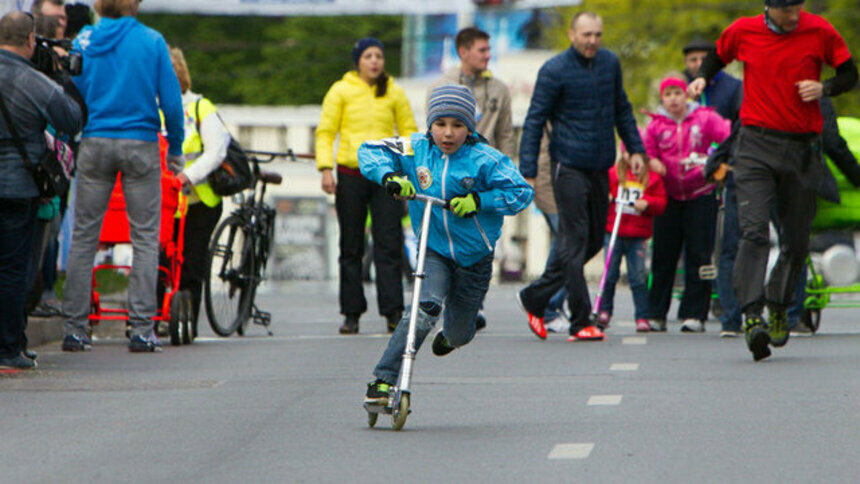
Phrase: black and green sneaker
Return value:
(777, 328)
(441, 347)
(756, 336)
(377, 393)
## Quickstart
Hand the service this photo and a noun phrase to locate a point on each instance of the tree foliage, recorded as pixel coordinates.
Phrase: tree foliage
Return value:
(648, 36)
(273, 60)
(294, 60)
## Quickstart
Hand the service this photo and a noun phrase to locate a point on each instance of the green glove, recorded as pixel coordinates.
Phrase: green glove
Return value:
(397, 185)
(466, 206)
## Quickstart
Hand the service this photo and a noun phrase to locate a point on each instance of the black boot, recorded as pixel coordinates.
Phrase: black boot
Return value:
(350, 324)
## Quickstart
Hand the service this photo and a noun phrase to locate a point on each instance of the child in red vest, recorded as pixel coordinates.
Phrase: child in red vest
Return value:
(645, 190)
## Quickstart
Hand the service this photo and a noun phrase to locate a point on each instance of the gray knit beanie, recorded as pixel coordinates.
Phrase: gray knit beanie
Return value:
(453, 101)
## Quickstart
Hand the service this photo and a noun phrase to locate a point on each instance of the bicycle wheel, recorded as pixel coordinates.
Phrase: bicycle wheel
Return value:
(255, 269)
(225, 290)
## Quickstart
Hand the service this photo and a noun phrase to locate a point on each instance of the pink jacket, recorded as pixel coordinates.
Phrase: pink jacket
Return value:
(672, 142)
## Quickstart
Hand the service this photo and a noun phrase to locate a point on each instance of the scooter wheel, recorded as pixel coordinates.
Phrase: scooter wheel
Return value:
(398, 419)
(371, 419)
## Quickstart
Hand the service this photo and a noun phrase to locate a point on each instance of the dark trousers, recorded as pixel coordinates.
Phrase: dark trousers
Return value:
(731, 315)
(689, 225)
(200, 222)
(353, 197)
(772, 170)
(583, 204)
(17, 234)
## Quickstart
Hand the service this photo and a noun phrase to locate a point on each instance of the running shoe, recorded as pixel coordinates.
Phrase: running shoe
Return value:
(603, 319)
(377, 393)
(73, 342)
(658, 325)
(643, 326)
(692, 326)
(756, 336)
(441, 347)
(777, 328)
(559, 324)
(535, 323)
(588, 333)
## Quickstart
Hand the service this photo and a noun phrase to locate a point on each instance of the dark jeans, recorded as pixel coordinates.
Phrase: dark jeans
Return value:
(582, 198)
(449, 291)
(731, 315)
(355, 194)
(555, 308)
(633, 250)
(200, 222)
(17, 233)
(772, 170)
(689, 225)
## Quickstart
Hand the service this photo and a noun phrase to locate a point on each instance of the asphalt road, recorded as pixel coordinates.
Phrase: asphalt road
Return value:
(507, 408)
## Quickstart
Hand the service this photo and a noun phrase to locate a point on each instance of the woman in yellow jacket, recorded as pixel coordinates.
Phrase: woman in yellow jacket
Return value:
(204, 148)
(364, 105)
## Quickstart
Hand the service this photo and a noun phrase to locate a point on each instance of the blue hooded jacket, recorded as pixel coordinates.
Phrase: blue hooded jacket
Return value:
(475, 167)
(127, 75)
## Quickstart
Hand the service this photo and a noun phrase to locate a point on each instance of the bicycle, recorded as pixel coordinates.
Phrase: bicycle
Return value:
(239, 251)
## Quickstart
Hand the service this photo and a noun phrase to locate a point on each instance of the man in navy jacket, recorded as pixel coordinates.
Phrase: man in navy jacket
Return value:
(580, 92)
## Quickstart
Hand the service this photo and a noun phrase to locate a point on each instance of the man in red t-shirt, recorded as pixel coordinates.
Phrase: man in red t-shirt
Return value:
(778, 161)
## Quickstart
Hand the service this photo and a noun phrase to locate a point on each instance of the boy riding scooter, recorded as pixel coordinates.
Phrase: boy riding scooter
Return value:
(451, 162)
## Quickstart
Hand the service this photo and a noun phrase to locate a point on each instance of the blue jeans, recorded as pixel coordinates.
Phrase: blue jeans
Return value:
(556, 304)
(731, 315)
(459, 290)
(17, 234)
(796, 309)
(633, 250)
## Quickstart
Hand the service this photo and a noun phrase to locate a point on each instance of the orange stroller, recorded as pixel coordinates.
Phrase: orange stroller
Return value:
(174, 306)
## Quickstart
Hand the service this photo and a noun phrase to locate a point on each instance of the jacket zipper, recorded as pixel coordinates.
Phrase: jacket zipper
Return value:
(445, 212)
(483, 234)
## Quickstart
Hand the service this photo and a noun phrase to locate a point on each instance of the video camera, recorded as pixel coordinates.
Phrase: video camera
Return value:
(48, 61)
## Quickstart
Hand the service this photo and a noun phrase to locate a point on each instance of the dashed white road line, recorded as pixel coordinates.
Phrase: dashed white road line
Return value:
(571, 451)
(624, 367)
(634, 340)
(604, 400)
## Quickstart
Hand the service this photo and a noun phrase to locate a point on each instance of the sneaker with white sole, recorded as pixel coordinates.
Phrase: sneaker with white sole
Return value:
(558, 325)
(692, 326)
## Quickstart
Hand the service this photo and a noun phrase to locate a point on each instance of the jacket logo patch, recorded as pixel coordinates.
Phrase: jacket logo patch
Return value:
(468, 183)
(425, 179)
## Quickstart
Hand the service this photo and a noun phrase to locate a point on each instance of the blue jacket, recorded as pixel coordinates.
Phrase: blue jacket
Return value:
(474, 167)
(126, 67)
(584, 99)
(32, 100)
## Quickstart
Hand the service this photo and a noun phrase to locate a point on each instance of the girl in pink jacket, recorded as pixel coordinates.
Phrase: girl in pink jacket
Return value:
(677, 140)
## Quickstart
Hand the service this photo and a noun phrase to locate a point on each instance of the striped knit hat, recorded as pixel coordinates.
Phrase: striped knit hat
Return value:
(453, 101)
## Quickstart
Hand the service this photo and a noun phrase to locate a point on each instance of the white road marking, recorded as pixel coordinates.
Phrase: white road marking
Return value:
(624, 324)
(604, 400)
(634, 340)
(571, 451)
(624, 367)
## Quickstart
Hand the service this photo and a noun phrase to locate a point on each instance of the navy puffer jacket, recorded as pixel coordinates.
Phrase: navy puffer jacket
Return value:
(584, 99)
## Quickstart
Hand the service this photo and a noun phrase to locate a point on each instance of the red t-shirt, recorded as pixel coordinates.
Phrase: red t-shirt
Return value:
(774, 63)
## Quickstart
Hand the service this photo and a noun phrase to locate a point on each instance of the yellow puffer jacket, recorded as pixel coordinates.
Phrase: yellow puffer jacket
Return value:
(352, 109)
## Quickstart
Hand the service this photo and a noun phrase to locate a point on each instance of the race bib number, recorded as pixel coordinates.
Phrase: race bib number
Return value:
(628, 193)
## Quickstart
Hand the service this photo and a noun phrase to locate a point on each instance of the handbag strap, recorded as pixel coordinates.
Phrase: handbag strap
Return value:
(197, 121)
(15, 138)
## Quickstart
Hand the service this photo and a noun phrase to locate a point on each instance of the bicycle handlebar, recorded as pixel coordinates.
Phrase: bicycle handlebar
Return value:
(268, 156)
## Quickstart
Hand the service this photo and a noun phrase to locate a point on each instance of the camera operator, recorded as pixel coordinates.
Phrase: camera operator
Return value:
(32, 101)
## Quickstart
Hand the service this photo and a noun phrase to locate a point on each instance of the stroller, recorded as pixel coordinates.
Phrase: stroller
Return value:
(174, 306)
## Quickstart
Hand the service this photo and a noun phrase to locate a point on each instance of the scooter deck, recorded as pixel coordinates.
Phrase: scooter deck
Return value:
(377, 408)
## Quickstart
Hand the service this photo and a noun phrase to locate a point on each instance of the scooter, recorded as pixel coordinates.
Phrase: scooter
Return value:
(619, 204)
(399, 396)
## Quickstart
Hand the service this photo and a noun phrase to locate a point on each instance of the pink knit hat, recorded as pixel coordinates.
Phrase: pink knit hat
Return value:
(672, 82)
